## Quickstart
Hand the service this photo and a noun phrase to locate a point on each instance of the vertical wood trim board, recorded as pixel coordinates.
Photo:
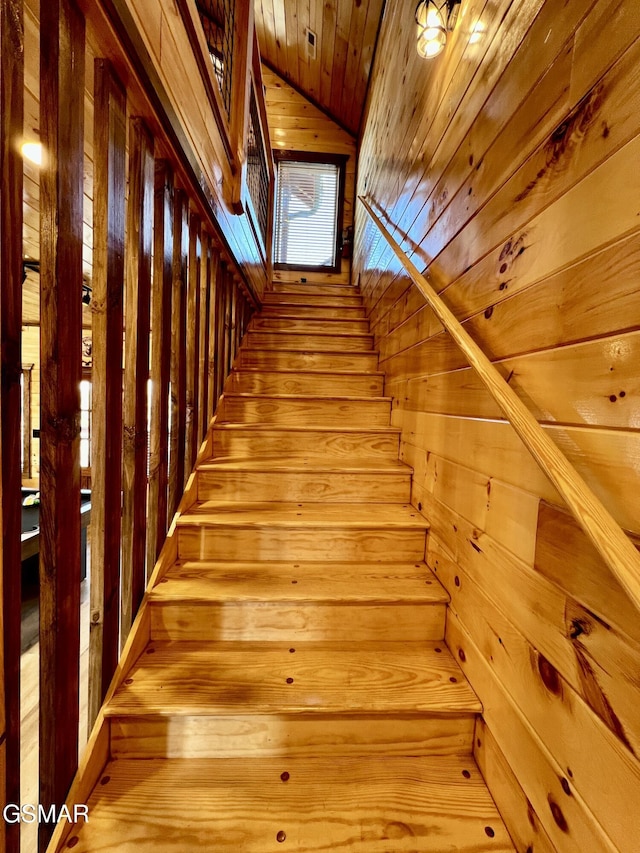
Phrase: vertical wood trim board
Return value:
(160, 360)
(212, 332)
(61, 219)
(178, 348)
(203, 343)
(192, 342)
(11, 128)
(136, 373)
(109, 170)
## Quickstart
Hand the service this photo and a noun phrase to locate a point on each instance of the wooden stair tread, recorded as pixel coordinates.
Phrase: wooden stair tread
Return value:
(284, 514)
(306, 463)
(310, 312)
(296, 428)
(346, 805)
(363, 583)
(344, 325)
(244, 677)
(329, 398)
(283, 371)
(302, 334)
(304, 299)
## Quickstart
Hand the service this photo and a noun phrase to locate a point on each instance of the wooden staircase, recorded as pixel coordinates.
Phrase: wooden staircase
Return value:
(296, 693)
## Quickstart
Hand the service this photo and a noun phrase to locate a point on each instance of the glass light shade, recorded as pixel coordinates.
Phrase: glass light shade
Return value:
(430, 29)
(428, 48)
(33, 152)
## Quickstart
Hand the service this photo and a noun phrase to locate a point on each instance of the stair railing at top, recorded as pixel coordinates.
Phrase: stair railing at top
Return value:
(605, 533)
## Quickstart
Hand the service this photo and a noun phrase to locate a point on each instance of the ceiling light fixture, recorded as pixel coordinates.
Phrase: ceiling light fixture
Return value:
(433, 21)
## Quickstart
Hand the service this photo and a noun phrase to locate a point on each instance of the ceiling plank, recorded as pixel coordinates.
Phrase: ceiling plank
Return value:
(346, 31)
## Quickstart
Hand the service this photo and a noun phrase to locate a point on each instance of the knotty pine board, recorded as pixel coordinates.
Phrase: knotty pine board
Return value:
(522, 822)
(576, 737)
(571, 827)
(595, 663)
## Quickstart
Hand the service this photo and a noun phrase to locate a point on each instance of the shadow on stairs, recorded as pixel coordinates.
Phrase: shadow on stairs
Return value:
(288, 686)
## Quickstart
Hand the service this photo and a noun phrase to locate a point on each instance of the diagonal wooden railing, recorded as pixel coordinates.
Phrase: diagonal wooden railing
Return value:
(605, 533)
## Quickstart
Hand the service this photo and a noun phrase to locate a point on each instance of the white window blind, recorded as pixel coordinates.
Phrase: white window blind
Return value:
(306, 213)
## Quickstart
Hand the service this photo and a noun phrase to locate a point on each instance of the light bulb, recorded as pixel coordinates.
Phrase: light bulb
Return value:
(33, 151)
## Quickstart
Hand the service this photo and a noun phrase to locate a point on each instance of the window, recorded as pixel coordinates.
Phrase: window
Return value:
(25, 421)
(85, 423)
(308, 211)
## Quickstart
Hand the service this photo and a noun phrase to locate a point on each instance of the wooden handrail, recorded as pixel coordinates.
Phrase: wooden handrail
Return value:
(605, 533)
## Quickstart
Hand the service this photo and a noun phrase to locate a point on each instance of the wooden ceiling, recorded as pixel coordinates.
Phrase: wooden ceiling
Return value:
(345, 30)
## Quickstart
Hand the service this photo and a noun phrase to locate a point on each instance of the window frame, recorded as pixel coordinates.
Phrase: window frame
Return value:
(339, 160)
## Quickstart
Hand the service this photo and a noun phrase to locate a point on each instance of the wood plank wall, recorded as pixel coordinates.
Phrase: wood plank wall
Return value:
(295, 124)
(509, 167)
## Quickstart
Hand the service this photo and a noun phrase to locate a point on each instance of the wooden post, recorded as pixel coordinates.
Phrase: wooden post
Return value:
(203, 316)
(160, 360)
(234, 320)
(228, 297)
(178, 361)
(62, 45)
(221, 288)
(11, 128)
(213, 315)
(136, 370)
(109, 184)
(191, 343)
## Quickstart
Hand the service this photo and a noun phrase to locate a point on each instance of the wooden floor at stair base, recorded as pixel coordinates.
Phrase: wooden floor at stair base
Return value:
(390, 805)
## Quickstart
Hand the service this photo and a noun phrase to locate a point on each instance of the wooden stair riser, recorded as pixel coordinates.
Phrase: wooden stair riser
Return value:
(261, 735)
(316, 289)
(346, 312)
(321, 299)
(275, 382)
(266, 359)
(304, 412)
(220, 542)
(309, 342)
(333, 444)
(303, 486)
(310, 325)
(292, 622)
